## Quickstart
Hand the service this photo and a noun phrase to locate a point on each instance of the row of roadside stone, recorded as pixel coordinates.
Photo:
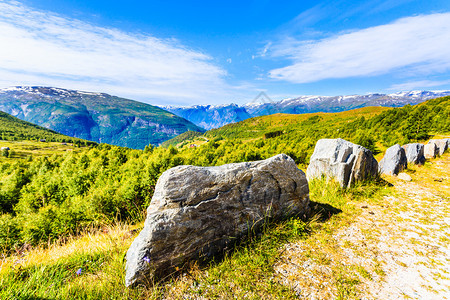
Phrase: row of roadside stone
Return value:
(398, 157)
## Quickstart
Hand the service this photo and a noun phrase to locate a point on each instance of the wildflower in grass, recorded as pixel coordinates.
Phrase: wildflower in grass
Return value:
(146, 259)
(79, 271)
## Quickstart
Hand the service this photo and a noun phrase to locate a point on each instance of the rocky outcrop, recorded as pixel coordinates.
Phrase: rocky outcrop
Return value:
(197, 211)
(441, 144)
(342, 160)
(394, 161)
(414, 153)
(430, 150)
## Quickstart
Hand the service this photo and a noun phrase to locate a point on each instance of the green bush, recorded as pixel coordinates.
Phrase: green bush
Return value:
(9, 232)
(5, 153)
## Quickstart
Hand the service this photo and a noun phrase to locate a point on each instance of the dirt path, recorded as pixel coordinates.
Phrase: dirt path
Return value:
(396, 248)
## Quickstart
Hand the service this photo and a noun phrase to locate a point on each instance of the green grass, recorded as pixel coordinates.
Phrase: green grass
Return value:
(182, 139)
(26, 150)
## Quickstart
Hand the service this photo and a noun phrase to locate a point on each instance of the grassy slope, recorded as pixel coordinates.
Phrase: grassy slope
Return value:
(181, 139)
(375, 128)
(300, 133)
(23, 150)
(23, 139)
(256, 127)
(12, 128)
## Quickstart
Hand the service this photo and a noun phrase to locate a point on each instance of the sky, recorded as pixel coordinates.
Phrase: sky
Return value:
(218, 52)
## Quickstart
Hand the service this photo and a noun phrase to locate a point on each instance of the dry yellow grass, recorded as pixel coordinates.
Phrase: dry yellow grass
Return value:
(107, 238)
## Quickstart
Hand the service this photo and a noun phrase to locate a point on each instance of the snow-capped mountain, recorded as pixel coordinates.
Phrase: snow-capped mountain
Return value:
(310, 104)
(208, 116)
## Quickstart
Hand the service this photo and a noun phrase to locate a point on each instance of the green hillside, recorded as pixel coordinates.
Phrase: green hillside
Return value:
(14, 129)
(97, 117)
(373, 127)
(27, 141)
(431, 115)
(184, 137)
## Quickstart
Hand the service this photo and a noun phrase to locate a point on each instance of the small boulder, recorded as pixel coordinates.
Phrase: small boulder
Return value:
(394, 161)
(430, 151)
(342, 160)
(404, 176)
(414, 153)
(197, 211)
(441, 144)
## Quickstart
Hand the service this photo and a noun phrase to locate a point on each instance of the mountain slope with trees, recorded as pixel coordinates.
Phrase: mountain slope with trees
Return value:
(14, 129)
(97, 117)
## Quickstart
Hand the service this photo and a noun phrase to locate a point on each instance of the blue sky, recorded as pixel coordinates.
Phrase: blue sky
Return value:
(215, 52)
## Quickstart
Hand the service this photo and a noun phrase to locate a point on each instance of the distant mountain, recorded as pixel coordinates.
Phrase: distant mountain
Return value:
(311, 104)
(97, 117)
(210, 116)
(216, 116)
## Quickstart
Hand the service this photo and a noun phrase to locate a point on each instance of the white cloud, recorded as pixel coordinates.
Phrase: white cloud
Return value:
(42, 48)
(263, 52)
(413, 45)
(420, 84)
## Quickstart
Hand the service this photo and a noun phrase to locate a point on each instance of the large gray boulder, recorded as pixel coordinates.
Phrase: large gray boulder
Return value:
(441, 144)
(197, 211)
(394, 161)
(430, 151)
(342, 160)
(414, 153)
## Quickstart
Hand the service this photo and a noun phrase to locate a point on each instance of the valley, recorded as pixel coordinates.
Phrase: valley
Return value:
(96, 117)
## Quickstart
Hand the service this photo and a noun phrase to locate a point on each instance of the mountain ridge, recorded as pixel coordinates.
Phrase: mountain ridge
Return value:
(210, 116)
